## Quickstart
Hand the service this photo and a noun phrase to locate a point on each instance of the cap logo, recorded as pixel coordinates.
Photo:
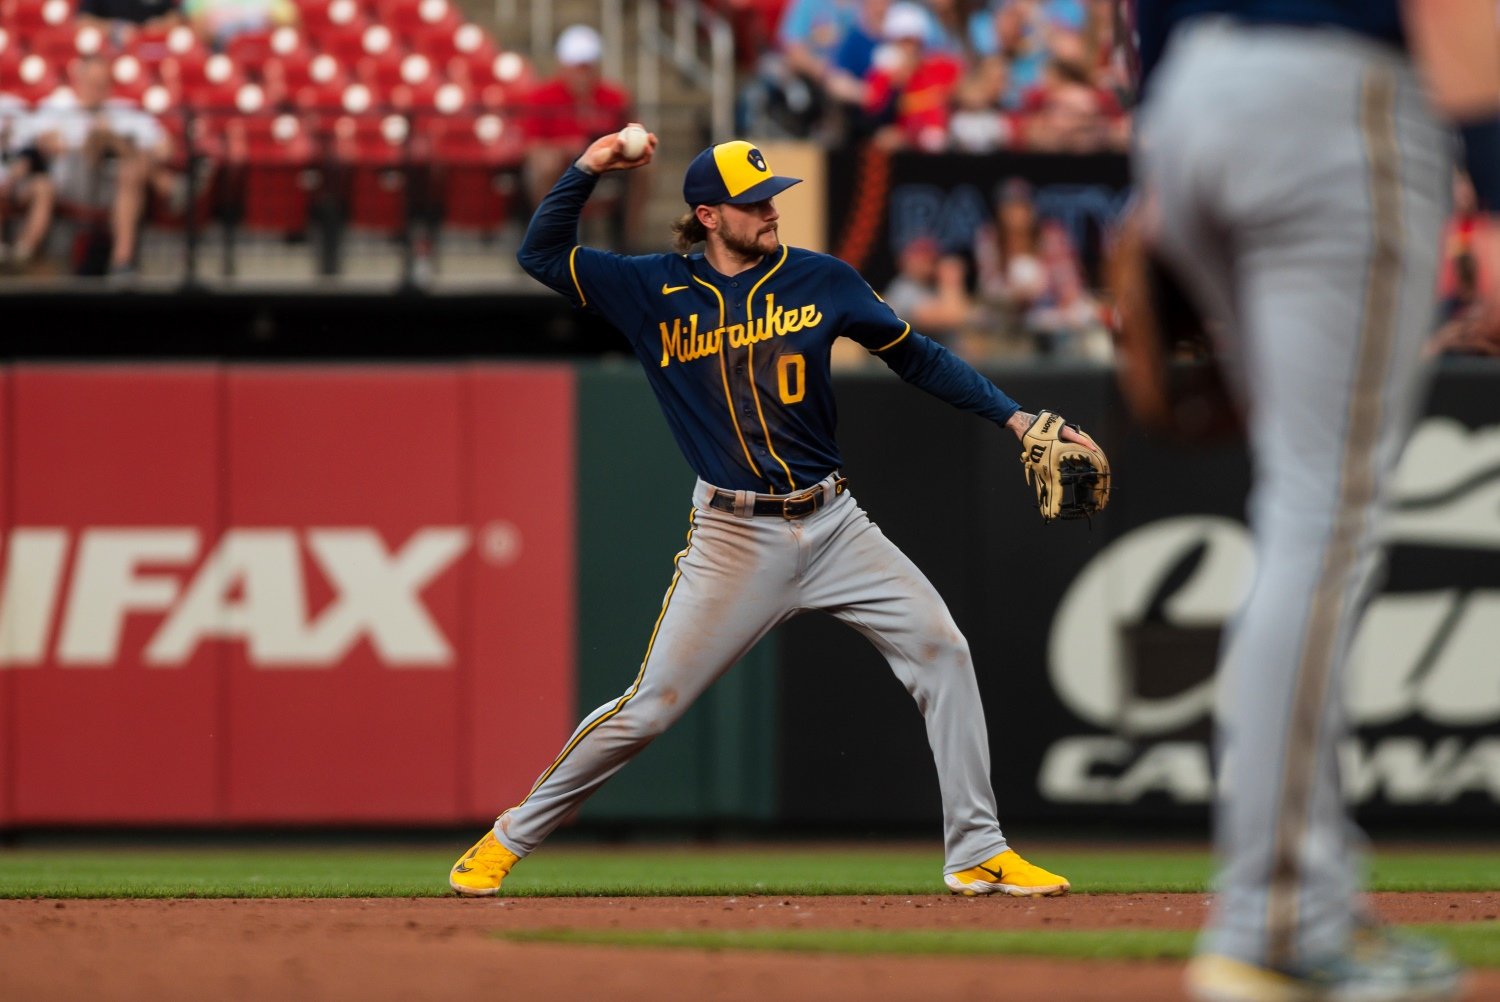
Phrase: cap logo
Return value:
(756, 160)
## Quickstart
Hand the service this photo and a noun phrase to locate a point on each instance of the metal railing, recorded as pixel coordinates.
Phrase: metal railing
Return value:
(393, 196)
(698, 44)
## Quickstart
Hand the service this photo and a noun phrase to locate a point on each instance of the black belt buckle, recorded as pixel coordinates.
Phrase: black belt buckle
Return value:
(810, 498)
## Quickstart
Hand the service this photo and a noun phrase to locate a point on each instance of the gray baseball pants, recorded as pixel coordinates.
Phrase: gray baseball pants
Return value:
(1300, 184)
(739, 576)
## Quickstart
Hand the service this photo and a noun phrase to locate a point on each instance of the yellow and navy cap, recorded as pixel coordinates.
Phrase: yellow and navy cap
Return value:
(733, 172)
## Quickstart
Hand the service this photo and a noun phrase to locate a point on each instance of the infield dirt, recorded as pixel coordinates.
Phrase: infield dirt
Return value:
(375, 949)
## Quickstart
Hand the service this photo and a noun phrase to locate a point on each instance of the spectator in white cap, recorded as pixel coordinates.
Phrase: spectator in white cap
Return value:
(910, 88)
(568, 111)
(579, 45)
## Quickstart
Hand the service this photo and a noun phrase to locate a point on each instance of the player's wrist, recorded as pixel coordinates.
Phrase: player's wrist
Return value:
(584, 168)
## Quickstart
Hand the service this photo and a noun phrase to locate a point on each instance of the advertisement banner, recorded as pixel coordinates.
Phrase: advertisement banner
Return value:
(7, 584)
(283, 594)
(882, 201)
(1130, 649)
(115, 487)
(518, 699)
(1095, 646)
(344, 487)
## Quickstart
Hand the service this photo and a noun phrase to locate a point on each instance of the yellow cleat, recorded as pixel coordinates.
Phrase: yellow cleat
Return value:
(1006, 873)
(479, 871)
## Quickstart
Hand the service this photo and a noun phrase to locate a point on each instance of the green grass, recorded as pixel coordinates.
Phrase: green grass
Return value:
(1475, 944)
(635, 871)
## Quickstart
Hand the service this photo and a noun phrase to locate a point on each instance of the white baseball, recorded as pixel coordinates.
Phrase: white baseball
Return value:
(632, 142)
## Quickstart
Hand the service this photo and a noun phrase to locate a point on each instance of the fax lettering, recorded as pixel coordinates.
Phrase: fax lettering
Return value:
(249, 588)
(684, 342)
(1103, 769)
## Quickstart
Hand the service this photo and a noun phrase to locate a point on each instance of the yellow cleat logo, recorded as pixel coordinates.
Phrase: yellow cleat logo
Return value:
(667, 290)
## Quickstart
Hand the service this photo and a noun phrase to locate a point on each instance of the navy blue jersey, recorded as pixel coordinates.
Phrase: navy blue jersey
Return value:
(1155, 19)
(739, 363)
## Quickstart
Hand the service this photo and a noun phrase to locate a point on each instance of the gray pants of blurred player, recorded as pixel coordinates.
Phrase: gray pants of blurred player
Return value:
(1301, 185)
(741, 575)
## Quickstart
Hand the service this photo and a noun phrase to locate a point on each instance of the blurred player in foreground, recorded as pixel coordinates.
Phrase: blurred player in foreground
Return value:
(1295, 176)
(735, 343)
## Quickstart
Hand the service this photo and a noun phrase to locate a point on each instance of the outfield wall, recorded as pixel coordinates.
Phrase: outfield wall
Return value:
(381, 594)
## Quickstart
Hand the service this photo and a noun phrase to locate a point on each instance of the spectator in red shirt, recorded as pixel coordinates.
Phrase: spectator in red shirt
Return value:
(1067, 111)
(572, 109)
(910, 89)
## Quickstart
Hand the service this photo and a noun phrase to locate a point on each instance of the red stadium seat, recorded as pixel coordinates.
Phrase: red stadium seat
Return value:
(360, 100)
(275, 158)
(432, 99)
(211, 84)
(130, 78)
(422, 97)
(320, 98)
(318, 15)
(443, 44)
(250, 50)
(160, 101)
(287, 76)
(59, 44)
(27, 17)
(31, 79)
(152, 45)
(381, 62)
(499, 81)
(374, 153)
(405, 16)
(476, 159)
(342, 33)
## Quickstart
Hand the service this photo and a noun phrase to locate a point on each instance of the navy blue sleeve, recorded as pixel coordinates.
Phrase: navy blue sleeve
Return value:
(919, 360)
(607, 284)
(924, 363)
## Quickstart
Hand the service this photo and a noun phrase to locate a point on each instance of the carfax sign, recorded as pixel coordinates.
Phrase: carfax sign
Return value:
(282, 594)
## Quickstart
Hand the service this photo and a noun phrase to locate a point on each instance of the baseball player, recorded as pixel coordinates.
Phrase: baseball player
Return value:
(735, 343)
(1296, 179)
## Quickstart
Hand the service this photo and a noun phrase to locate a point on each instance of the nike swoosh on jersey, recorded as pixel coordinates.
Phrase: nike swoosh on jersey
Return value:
(667, 290)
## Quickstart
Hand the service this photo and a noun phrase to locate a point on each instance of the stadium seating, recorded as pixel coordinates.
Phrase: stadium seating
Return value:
(474, 179)
(380, 103)
(30, 78)
(373, 155)
(272, 172)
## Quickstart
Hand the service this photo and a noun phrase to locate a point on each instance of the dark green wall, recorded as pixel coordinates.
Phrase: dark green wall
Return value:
(634, 495)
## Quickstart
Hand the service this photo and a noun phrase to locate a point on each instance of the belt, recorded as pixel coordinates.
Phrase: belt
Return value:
(789, 507)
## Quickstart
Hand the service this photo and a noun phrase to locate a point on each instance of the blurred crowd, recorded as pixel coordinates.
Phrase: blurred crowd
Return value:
(1019, 290)
(403, 119)
(966, 75)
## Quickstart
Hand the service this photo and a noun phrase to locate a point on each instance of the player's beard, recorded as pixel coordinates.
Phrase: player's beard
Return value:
(748, 247)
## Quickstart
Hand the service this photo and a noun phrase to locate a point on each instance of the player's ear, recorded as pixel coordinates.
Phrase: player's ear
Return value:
(709, 216)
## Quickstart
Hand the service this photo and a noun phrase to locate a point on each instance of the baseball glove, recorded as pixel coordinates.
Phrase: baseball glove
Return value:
(1164, 357)
(1070, 480)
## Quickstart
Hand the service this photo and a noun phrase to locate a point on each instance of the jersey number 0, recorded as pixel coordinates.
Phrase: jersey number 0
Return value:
(791, 378)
